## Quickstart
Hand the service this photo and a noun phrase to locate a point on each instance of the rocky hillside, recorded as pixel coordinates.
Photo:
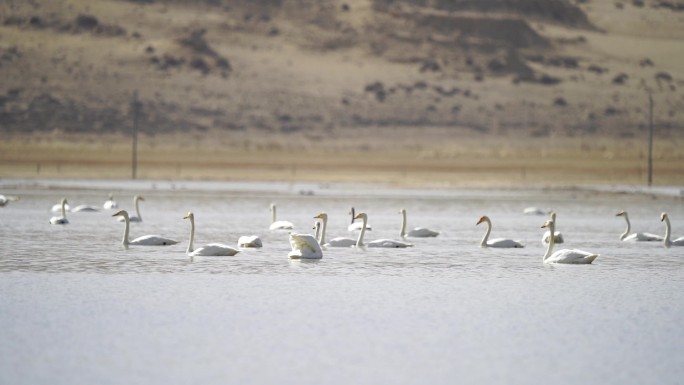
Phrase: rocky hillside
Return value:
(526, 68)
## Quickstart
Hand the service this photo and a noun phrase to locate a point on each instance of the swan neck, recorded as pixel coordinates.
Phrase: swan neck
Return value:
(63, 209)
(353, 214)
(629, 227)
(403, 224)
(486, 236)
(137, 209)
(668, 230)
(359, 240)
(273, 214)
(191, 245)
(127, 229)
(323, 229)
(552, 241)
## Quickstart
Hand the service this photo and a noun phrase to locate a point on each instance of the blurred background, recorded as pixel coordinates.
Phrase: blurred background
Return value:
(411, 92)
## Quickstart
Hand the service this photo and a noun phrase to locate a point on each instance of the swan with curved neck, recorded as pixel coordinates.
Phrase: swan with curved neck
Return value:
(355, 226)
(571, 256)
(145, 240)
(137, 217)
(279, 225)
(668, 232)
(61, 220)
(110, 204)
(386, 243)
(417, 232)
(498, 242)
(212, 249)
(558, 237)
(635, 237)
(335, 242)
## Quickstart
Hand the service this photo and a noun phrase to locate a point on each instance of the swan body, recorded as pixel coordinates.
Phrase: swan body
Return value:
(667, 242)
(61, 220)
(110, 204)
(558, 237)
(356, 226)
(138, 217)
(5, 199)
(497, 242)
(418, 232)
(304, 246)
(210, 250)
(636, 237)
(335, 242)
(145, 240)
(279, 225)
(386, 243)
(534, 211)
(84, 209)
(247, 241)
(58, 208)
(568, 256)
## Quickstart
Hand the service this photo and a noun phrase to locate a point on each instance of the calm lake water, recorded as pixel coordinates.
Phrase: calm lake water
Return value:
(76, 307)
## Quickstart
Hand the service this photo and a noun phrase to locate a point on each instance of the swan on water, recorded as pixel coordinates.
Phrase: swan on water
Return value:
(58, 208)
(386, 243)
(145, 240)
(137, 217)
(418, 232)
(355, 226)
(5, 199)
(571, 256)
(61, 220)
(534, 211)
(558, 237)
(498, 242)
(635, 237)
(335, 242)
(667, 242)
(304, 246)
(209, 250)
(84, 209)
(279, 225)
(110, 204)
(247, 241)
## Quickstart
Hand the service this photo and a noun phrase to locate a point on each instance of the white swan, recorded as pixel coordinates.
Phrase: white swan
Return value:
(565, 255)
(138, 217)
(247, 241)
(84, 209)
(355, 226)
(418, 232)
(558, 237)
(210, 250)
(5, 199)
(110, 204)
(145, 240)
(534, 211)
(667, 242)
(386, 243)
(61, 220)
(279, 225)
(58, 208)
(304, 246)
(635, 237)
(498, 242)
(335, 242)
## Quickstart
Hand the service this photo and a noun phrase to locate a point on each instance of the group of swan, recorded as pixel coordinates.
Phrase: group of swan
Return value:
(145, 240)
(635, 237)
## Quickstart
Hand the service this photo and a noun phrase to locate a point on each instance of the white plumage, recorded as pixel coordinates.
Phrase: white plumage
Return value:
(145, 240)
(209, 250)
(417, 232)
(304, 246)
(497, 242)
(635, 237)
(568, 256)
(61, 220)
(278, 225)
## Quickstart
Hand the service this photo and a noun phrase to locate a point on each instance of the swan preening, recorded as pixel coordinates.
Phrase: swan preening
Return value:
(355, 226)
(61, 220)
(5, 199)
(635, 237)
(110, 204)
(498, 242)
(137, 217)
(418, 232)
(304, 246)
(558, 237)
(571, 256)
(335, 242)
(145, 240)
(279, 225)
(386, 243)
(667, 242)
(210, 250)
(247, 241)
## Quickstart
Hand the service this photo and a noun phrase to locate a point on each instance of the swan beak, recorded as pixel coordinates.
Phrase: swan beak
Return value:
(546, 224)
(141, 198)
(188, 215)
(358, 216)
(663, 216)
(482, 219)
(117, 213)
(621, 213)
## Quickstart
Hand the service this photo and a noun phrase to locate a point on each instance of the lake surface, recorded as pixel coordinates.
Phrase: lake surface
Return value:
(76, 307)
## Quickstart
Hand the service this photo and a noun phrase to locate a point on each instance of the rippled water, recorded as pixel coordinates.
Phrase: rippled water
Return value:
(76, 307)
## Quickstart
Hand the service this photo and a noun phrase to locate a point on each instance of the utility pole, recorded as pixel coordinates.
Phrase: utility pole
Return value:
(650, 139)
(135, 107)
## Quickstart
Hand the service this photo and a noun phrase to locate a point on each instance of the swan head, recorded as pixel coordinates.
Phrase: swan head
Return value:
(323, 216)
(360, 216)
(622, 213)
(64, 201)
(483, 218)
(553, 216)
(663, 217)
(138, 198)
(402, 211)
(189, 215)
(548, 223)
(122, 213)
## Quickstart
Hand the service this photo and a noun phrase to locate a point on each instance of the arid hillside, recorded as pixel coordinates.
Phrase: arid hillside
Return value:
(277, 75)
